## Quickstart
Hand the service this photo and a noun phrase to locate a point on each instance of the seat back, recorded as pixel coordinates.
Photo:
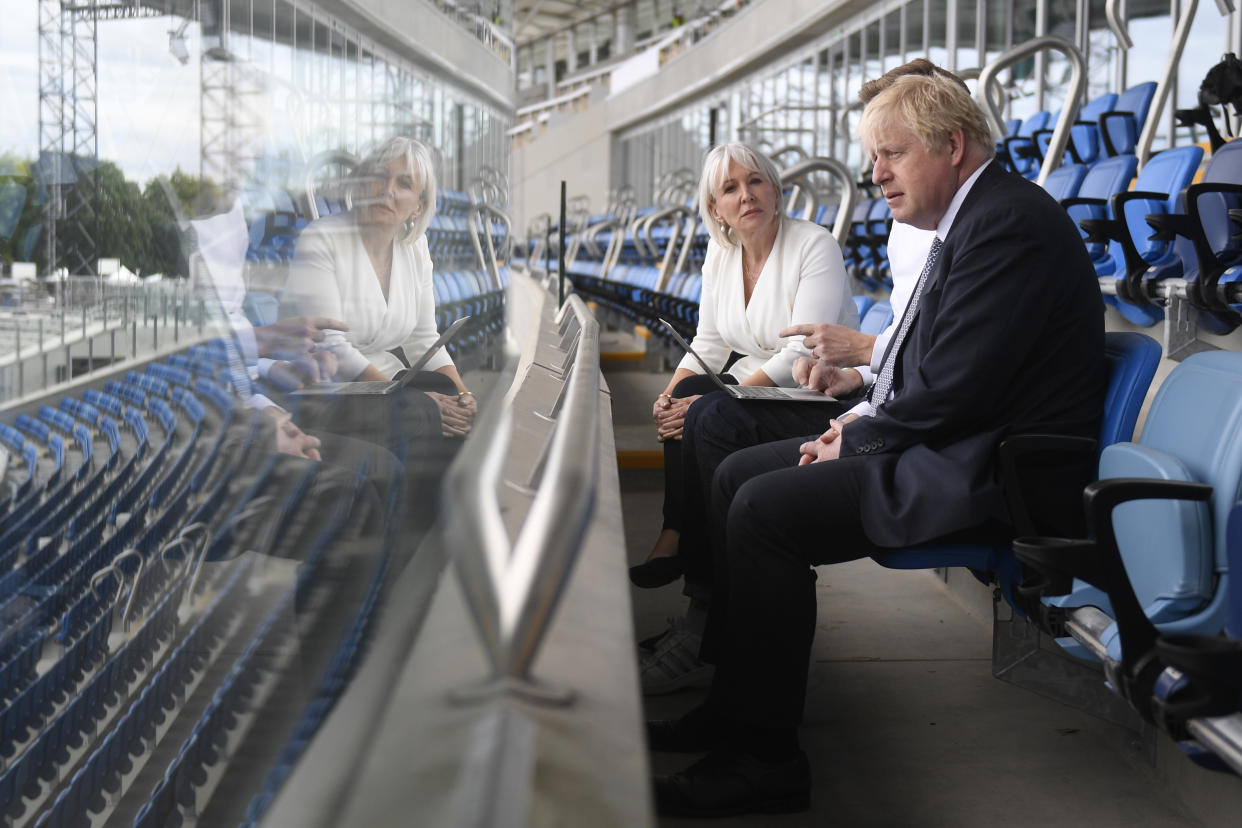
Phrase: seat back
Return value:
(863, 303)
(1132, 361)
(1085, 135)
(1105, 177)
(1225, 167)
(1124, 123)
(1169, 173)
(1174, 551)
(878, 317)
(1065, 180)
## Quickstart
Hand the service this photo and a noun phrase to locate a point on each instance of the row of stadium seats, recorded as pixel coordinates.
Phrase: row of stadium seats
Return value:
(134, 624)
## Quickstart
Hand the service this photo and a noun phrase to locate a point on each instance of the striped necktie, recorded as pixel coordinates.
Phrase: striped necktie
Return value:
(884, 382)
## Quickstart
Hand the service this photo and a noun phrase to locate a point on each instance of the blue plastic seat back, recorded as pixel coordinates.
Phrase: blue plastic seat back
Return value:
(1132, 362)
(1086, 137)
(877, 318)
(1024, 138)
(1123, 130)
(1105, 177)
(1169, 173)
(1174, 550)
(863, 303)
(1224, 167)
(1065, 180)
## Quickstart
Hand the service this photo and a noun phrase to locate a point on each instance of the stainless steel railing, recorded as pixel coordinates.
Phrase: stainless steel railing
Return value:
(512, 587)
(989, 88)
(849, 190)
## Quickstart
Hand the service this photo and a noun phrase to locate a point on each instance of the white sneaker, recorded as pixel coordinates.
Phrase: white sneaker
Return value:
(675, 664)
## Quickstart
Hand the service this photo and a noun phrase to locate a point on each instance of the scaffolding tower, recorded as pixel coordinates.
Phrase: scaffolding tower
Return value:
(68, 165)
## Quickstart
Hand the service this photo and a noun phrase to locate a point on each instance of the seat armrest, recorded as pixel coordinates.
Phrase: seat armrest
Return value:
(1135, 265)
(1138, 634)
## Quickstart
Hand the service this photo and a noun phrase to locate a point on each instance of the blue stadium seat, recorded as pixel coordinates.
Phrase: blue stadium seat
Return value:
(878, 317)
(1159, 517)
(1131, 249)
(1132, 360)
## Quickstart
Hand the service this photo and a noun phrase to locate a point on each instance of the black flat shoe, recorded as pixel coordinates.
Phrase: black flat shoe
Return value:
(656, 572)
(728, 783)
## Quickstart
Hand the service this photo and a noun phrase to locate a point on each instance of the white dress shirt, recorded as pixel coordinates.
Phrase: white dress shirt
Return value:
(802, 281)
(333, 277)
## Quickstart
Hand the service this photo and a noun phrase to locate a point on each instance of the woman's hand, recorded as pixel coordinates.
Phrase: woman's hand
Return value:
(455, 418)
(672, 417)
(467, 403)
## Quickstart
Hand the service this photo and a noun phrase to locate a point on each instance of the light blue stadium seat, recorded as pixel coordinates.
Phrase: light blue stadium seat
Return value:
(1159, 518)
(863, 303)
(878, 317)
(1065, 180)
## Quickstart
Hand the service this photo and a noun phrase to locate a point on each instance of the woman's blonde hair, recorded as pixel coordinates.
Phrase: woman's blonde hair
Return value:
(715, 167)
(930, 106)
(418, 159)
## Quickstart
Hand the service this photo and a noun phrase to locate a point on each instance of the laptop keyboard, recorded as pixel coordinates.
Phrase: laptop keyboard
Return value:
(762, 392)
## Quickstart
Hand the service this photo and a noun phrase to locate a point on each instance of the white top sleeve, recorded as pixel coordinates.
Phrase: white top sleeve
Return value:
(802, 281)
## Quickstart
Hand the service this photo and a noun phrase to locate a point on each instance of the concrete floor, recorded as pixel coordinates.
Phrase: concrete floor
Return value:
(905, 724)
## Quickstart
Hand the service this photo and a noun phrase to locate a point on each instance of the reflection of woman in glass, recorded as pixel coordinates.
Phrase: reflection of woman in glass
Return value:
(370, 267)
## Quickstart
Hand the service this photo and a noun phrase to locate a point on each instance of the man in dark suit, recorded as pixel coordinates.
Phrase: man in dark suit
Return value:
(1004, 334)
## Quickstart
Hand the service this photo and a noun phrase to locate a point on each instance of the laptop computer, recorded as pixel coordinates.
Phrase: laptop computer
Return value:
(750, 392)
(381, 387)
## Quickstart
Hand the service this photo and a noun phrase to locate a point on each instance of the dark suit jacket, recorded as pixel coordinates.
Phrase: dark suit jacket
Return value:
(1009, 338)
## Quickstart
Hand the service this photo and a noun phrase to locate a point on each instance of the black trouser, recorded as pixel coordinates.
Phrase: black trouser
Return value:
(674, 474)
(771, 520)
(716, 426)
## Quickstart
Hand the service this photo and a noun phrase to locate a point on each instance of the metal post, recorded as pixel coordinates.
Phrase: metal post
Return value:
(42, 352)
(560, 256)
(133, 348)
(21, 374)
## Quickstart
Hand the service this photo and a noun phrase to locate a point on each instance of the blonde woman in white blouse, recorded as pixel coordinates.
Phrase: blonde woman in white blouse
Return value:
(371, 268)
(763, 272)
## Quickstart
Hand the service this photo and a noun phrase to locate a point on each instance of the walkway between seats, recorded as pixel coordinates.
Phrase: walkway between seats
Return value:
(905, 725)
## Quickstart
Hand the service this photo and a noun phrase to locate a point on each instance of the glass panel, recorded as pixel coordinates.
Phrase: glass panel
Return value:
(967, 36)
(914, 30)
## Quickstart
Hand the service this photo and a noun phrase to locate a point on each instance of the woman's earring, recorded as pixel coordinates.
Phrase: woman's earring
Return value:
(724, 229)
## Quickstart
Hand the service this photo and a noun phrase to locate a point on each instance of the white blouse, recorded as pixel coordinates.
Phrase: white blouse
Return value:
(333, 276)
(802, 281)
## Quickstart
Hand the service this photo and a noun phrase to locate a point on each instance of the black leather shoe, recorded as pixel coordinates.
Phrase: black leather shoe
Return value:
(656, 572)
(728, 783)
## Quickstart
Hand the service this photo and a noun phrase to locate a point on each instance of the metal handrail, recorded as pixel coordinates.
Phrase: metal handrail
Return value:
(512, 590)
(1120, 26)
(667, 259)
(988, 84)
(840, 227)
(1180, 34)
(489, 261)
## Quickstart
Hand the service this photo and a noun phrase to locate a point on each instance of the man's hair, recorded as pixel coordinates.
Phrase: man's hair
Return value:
(421, 165)
(918, 66)
(930, 106)
(716, 166)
